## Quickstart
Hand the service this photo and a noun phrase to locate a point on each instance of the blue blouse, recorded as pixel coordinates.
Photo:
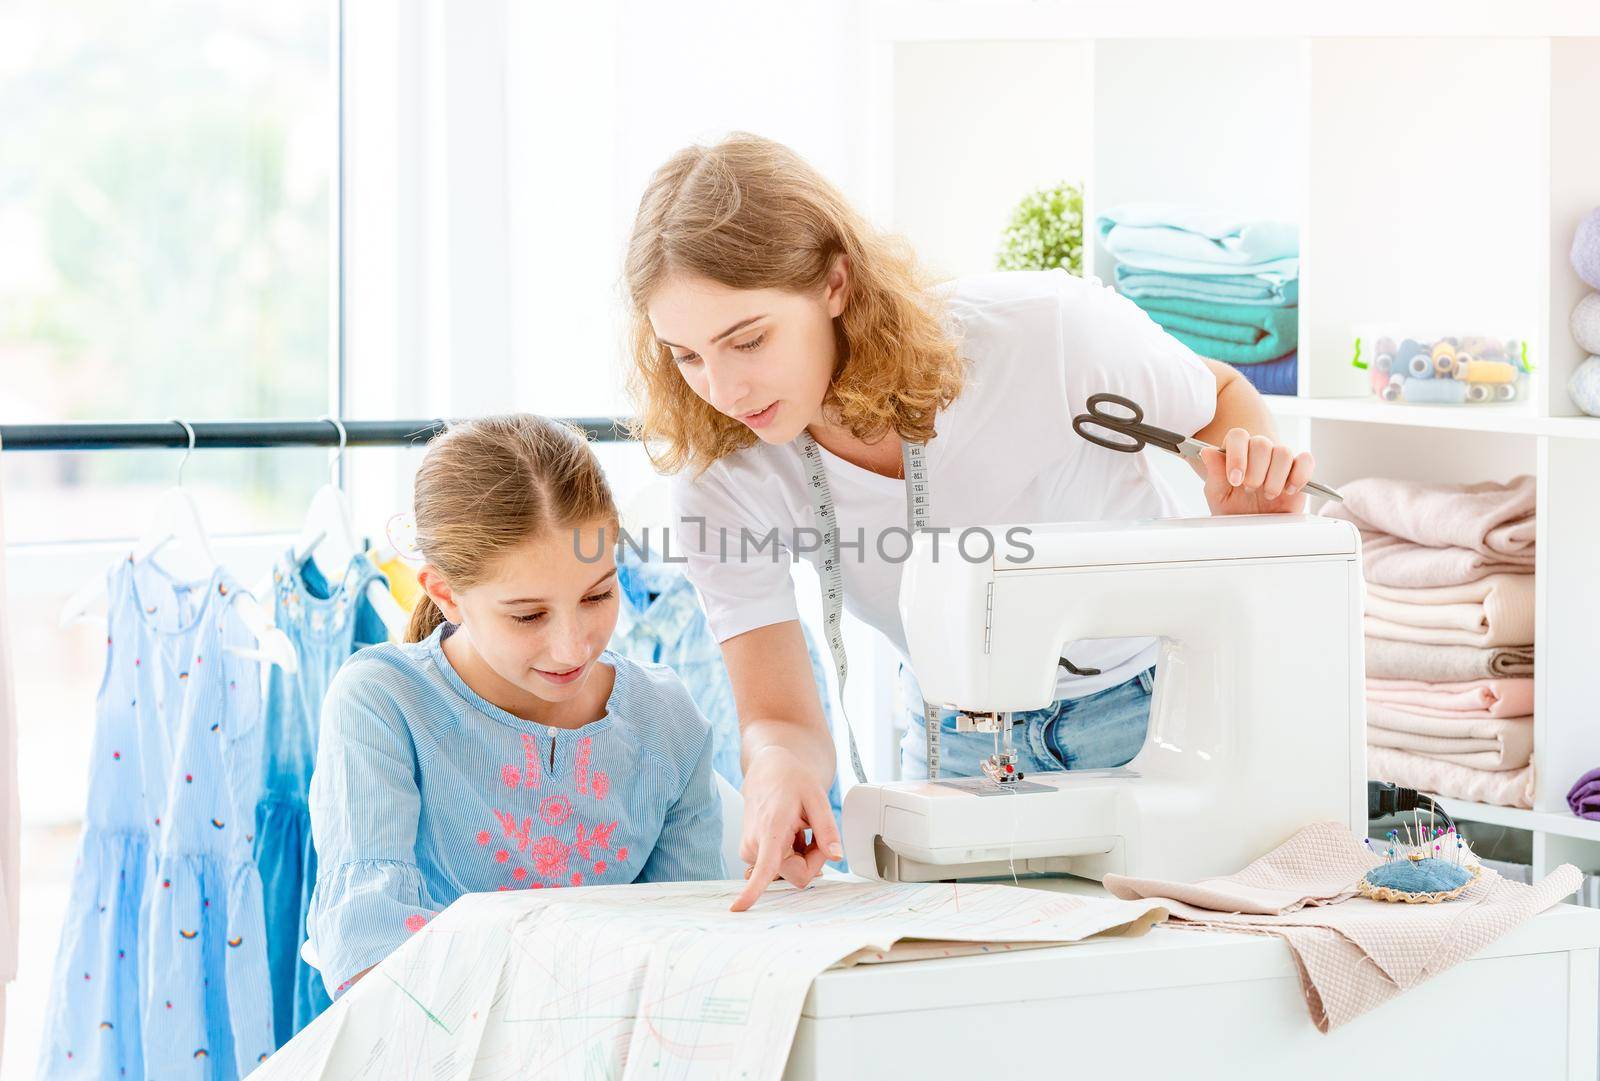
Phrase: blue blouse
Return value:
(423, 791)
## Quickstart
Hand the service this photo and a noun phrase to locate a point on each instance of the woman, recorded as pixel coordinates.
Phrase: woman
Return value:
(766, 313)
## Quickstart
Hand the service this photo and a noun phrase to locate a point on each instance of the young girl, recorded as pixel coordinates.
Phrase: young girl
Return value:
(767, 315)
(503, 746)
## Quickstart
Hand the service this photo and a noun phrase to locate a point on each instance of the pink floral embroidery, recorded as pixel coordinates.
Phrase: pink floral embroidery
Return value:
(580, 764)
(577, 878)
(555, 809)
(599, 867)
(520, 873)
(550, 856)
(600, 838)
(483, 837)
(510, 777)
(416, 922)
(599, 784)
(622, 853)
(519, 832)
(501, 856)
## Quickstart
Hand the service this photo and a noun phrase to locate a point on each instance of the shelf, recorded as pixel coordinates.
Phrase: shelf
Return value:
(1564, 825)
(1516, 420)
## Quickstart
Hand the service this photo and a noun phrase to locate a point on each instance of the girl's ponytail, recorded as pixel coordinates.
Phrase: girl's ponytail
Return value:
(425, 619)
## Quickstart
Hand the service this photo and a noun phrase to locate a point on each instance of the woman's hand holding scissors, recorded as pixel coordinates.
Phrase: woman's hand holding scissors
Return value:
(1248, 474)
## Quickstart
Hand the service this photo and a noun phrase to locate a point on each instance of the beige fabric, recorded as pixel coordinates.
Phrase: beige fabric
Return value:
(1494, 611)
(1353, 954)
(1506, 788)
(1389, 659)
(1495, 697)
(1476, 740)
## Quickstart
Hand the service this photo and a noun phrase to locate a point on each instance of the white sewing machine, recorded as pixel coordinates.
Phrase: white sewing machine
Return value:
(1256, 727)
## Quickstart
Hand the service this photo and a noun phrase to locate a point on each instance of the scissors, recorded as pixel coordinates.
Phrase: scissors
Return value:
(1123, 420)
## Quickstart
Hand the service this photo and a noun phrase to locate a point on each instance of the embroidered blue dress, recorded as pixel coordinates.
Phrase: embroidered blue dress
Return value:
(327, 622)
(424, 791)
(162, 968)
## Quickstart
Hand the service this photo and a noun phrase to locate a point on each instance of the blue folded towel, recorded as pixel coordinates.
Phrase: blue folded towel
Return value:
(1281, 376)
(1228, 288)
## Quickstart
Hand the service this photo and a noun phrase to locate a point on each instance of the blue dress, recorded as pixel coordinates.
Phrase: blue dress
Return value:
(162, 967)
(327, 622)
(424, 791)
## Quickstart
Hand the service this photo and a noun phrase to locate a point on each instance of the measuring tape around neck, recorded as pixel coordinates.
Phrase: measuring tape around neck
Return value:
(831, 573)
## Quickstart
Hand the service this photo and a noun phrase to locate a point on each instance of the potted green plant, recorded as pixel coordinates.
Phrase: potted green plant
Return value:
(1045, 231)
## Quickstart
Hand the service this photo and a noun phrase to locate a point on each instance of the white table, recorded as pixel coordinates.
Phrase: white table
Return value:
(1187, 1004)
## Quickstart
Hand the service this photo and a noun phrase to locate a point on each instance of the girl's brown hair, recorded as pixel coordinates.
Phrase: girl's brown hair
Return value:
(488, 485)
(750, 213)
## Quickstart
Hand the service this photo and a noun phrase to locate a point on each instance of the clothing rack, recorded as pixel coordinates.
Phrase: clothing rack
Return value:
(231, 434)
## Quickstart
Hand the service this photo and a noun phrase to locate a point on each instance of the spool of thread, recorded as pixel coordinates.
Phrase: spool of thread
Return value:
(1478, 392)
(1420, 366)
(1384, 363)
(1435, 391)
(1383, 345)
(1505, 392)
(1487, 371)
(1378, 379)
(1391, 391)
(1443, 351)
(1481, 346)
(1408, 349)
(1444, 365)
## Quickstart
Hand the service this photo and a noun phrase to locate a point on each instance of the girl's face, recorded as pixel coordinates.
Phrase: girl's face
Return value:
(540, 618)
(764, 357)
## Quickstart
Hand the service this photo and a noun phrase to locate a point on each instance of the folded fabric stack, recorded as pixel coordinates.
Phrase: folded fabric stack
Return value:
(1449, 635)
(1226, 287)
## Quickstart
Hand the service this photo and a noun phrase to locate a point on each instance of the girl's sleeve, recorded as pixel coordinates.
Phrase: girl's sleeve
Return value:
(369, 895)
(690, 845)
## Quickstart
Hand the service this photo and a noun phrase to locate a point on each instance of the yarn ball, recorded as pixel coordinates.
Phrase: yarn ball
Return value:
(1419, 876)
(1585, 323)
(1586, 249)
(1584, 387)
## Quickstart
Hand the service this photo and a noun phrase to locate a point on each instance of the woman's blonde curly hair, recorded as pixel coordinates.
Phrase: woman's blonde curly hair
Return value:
(750, 213)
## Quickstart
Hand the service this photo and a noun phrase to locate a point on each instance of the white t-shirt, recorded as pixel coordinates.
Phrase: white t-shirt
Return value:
(1038, 344)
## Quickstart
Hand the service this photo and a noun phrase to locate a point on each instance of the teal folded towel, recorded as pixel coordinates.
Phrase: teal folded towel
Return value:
(1236, 333)
(1229, 288)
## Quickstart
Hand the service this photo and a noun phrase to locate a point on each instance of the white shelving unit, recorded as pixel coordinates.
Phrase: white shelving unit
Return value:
(1437, 162)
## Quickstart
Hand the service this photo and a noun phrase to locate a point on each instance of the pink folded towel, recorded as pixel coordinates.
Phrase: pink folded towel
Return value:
(1506, 788)
(1493, 611)
(1390, 659)
(1492, 519)
(1476, 740)
(1353, 954)
(1496, 697)
(1394, 562)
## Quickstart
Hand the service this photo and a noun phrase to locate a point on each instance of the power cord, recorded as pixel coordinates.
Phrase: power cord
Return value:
(1384, 799)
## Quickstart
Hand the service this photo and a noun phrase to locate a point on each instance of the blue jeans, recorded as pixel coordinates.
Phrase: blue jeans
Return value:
(1097, 731)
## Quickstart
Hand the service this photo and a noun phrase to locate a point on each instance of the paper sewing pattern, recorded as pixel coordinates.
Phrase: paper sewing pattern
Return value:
(654, 981)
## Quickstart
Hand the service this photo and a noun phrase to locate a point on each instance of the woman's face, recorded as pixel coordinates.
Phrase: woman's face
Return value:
(764, 357)
(540, 619)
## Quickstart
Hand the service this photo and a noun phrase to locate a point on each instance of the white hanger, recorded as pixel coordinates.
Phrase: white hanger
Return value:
(329, 536)
(177, 519)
